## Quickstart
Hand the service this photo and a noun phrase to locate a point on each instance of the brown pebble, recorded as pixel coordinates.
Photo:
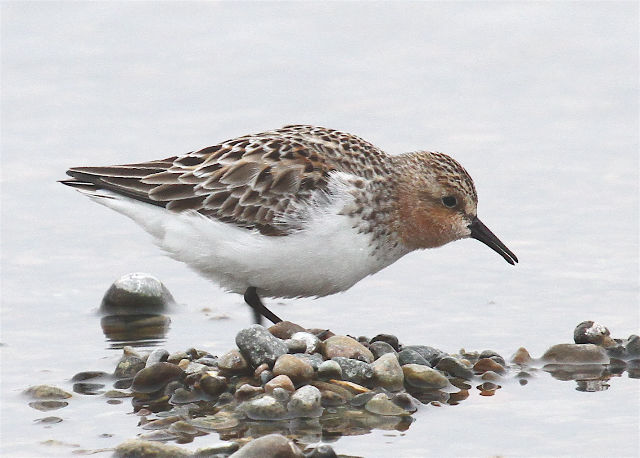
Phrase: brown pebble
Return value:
(260, 369)
(285, 329)
(491, 376)
(247, 391)
(233, 362)
(521, 357)
(346, 347)
(281, 381)
(487, 364)
(298, 370)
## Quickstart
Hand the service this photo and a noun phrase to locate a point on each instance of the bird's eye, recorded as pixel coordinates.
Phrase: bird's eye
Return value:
(449, 201)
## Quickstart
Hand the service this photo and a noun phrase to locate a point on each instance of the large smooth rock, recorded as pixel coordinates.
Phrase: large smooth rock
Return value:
(576, 354)
(297, 369)
(259, 346)
(136, 293)
(346, 347)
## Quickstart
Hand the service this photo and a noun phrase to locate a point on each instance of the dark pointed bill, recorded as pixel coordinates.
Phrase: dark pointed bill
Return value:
(481, 232)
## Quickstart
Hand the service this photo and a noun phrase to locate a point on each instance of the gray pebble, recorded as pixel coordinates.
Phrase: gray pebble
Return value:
(423, 377)
(355, 371)
(305, 402)
(454, 367)
(158, 355)
(311, 341)
(274, 445)
(387, 372)
(380, 404)
(128, 366)
(330, 370)
(259, 346)
(432, 355)
(633, 345)
(315, 359)
(154, 378)
(409, 356)
(136, 293)
(263, 408)
(494, 356)
(379, 348)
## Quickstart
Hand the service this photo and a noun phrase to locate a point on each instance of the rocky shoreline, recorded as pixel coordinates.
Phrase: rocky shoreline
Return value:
(284, 387)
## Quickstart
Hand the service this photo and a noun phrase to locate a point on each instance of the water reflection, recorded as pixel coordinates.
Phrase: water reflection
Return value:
(135, 330)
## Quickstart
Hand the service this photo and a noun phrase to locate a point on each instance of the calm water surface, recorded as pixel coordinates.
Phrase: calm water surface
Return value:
(539, 101)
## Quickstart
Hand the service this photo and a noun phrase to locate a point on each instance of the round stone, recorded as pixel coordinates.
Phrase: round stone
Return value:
(259, 346)
(633, 345)
(329, 370)
(346, 347)
(576, 354)
(322, 451)
(285, 329)
(423, 377)
(135, 294)
(432, 355)
(380, 404)
(296, 369)
(387, 372)
(409, 356)
(46, 392)
(388, 339)
(263, 408)
(521, 357)
(494, 356)
(306, 402)
(232, 362)
(486, 364)
(312, 342)
(281, 381)
(296, 346)
(314, 359)
(154, 378)
(128, 366)
(270, 445)
(380, 348)
(159, 355)
(590, 332)
(454, 367)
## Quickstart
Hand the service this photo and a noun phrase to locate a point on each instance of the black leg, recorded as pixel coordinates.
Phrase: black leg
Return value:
(259, 310)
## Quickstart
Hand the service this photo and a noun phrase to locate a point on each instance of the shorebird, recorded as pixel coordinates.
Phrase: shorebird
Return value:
(301, 211)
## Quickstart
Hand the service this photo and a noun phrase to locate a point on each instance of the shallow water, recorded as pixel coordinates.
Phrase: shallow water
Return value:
(538, 101)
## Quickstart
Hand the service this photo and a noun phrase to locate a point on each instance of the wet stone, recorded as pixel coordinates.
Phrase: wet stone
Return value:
(494, 356)
(633, 345)
(332, 399)
(285, 329)
(46, 392)
(88, 375)
(259, 346)
(388, 339)
(274, 445)
(521, 357)
(322, 334)
(330, 370)
(232, 362)
(346, 347)
(297, 369)
(217, 451)
(184, 396)
(247, 391)
(406, 402)
(408, 356)
(128, 366)
(361, 399)
(87, 388)
(455, 368)
(380, 404)
(263, 408)
(143, 448)
(281, 381)
(576, 354)
(154, 378)
(355, 371)
(281, 394)
(45, 406)
(423, 377)
(491, 376)
(159, 355)
(212, 385)
(175, 358)
(432, 355)
(486, 364)
(306, 402)
(114, 394)
(211, 361)
(590, 332)
(135, 294)
(387, 372)
(312, 342)
(265, 377)
(379, 348)
(322, 451)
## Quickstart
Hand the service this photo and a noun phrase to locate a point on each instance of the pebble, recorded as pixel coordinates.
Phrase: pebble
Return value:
(423, 377)
(88, 375)
(184, 396)
(285, 329)
(494, 356)
(233, 362)
(322, 451)
(379, 348)
(590, 332)
(86, 388)
(633, 345)
(521, 357)
(271, 445)
(154, 378)
(45, 406)
(311, 341)
(48, 420)
(491, 376)
(281, 381)
(408, 356)
(247, 391)
(432, 355)
(142, 448)
(315, 359)
(406, 402)
(387, 372)
(576, 354)
(329, 369)
(136, 294)
(331, 399)
(264, 408)
(296, 346)
(297, 369)
(47, 392)
(212, 385)
(259, 346)
(346, 347)
(380, 404)
(486, 364)
(343, 392)
(159, 355)
(389, 339)
(128, 366)
(454, 367)
(306, 402)
(355, 371)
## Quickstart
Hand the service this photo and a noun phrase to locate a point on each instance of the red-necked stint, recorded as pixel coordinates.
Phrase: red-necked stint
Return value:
(296, 212)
